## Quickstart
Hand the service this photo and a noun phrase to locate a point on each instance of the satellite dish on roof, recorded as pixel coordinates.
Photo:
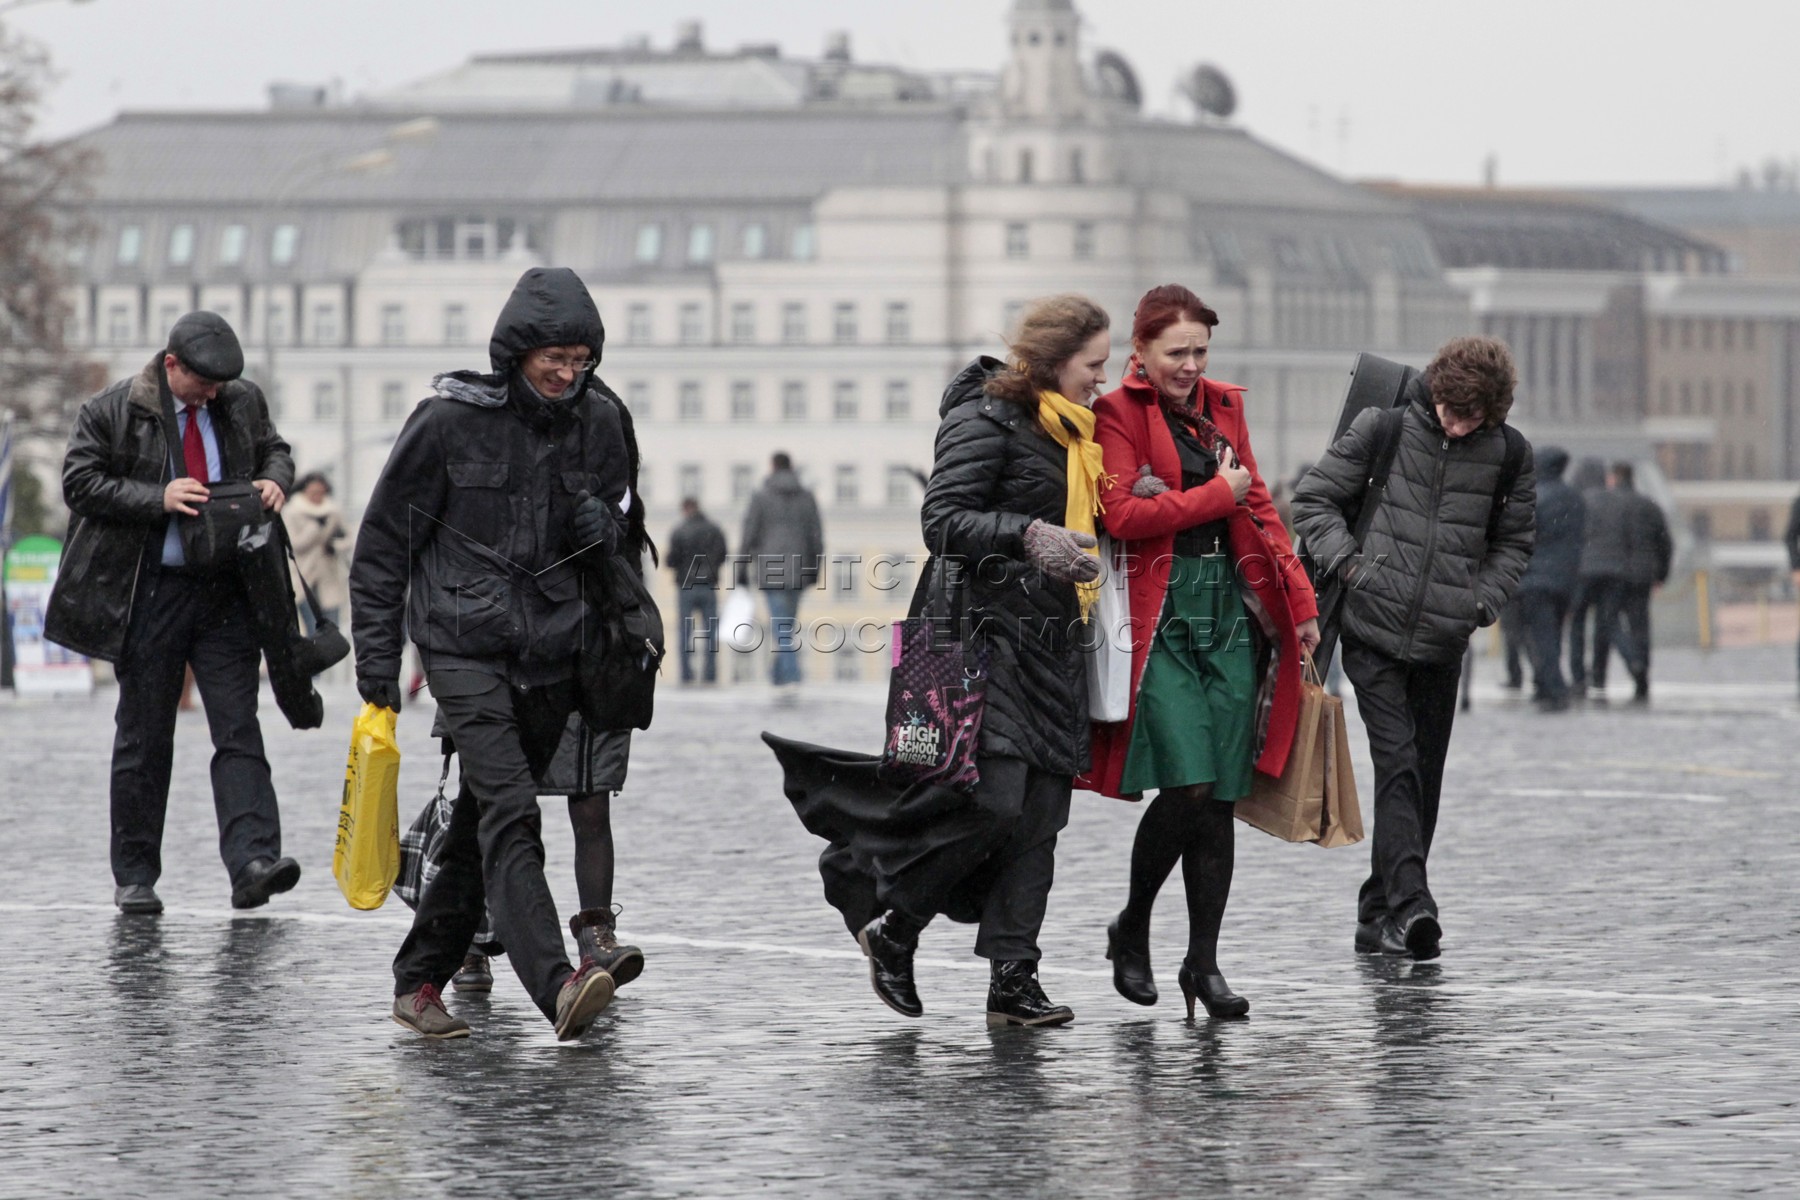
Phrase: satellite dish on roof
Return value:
(1210, 91)
(1117, 80)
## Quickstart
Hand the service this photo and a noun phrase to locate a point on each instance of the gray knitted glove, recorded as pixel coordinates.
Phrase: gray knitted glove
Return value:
(1061, 553)
(1147, 485)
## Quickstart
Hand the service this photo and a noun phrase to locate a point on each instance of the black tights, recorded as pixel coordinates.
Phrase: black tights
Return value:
(1189, 825)
(591, 817)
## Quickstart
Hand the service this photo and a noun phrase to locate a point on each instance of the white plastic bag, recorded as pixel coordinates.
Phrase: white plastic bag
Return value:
(1109, 652)
(737, 621)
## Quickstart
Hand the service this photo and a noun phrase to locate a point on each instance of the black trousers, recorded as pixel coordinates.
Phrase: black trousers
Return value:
(1544, 614)
(494, 852)
(1514, 635)
(1408, 709)
(177, 621)
(1003, 848)
(1581, 608)
(1622, 621)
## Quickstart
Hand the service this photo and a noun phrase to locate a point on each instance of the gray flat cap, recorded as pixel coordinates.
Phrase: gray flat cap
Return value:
(206, 345)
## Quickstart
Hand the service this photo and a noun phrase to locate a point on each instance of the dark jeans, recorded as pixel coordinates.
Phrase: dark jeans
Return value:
(1408, 709)
(1008, 840)
(784, 634)
(177, 621)
(494, 851)
(1622, 620)
(1544, 613)
(699, 606)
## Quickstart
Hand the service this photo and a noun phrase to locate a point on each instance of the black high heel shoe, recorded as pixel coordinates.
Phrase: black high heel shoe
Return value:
(1131, 967)
(1212, 991)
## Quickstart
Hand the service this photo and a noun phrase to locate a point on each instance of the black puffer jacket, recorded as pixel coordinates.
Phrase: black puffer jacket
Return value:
(474, 510)
(1627, 537)
(995, 473)
(1556, 557)
(1426, 578)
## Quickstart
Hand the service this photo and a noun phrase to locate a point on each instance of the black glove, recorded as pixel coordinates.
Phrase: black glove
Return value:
(594, 526)
(382, 693)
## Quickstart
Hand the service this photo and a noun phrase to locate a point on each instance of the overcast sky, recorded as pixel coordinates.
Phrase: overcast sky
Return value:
(1558, 91)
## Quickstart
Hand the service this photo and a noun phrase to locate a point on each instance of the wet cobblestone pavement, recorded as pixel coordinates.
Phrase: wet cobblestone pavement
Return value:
(1615, 1012)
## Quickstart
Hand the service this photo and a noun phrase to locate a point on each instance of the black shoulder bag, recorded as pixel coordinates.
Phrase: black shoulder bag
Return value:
(230, 522)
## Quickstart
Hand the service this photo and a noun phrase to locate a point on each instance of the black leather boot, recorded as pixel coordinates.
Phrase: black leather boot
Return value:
(1212, 991)
(1380, 936)
(889, 941)
(595, 931)
(1016, 998)
(1131, 965)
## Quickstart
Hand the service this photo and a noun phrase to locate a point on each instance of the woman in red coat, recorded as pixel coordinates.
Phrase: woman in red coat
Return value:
(1220, 610)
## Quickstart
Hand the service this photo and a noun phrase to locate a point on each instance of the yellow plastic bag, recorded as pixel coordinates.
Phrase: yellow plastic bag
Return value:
(367, 859)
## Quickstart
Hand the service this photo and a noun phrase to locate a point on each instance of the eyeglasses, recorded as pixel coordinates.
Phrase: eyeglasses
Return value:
(557, 362)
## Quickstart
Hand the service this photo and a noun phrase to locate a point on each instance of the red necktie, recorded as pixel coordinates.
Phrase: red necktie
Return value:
(193, 446)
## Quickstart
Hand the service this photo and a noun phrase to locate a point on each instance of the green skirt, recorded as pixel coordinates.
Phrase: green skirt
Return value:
(1196, 703)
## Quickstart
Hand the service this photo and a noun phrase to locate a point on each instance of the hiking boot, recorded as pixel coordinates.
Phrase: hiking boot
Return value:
(595, 930)
(584, 996)
(424, 1013)
(137, 898)
(889, 946)
(475, 975)
(1016, 998)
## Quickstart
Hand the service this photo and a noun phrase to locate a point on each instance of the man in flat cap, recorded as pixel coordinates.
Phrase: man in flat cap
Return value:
(141, 457)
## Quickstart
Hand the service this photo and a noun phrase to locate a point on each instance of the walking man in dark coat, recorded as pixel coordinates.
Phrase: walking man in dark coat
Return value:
(127, 594)
(1548, 585)
(1626, 553)
(780, 554)
(501, 490)
(696, 556)
(1427, 576)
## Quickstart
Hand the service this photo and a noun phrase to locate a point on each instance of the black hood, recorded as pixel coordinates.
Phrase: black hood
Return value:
(969, 384)
(549, 306)
(1550, 462)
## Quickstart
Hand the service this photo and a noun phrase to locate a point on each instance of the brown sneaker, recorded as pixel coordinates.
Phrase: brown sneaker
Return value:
(584, 996)
(424, 1013)
(595, 931)
(475, 975)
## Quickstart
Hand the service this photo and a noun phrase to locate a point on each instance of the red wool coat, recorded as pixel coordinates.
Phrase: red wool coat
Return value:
(1131, 432)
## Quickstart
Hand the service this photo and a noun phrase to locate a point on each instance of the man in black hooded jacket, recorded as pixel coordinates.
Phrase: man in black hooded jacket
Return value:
(500, 491)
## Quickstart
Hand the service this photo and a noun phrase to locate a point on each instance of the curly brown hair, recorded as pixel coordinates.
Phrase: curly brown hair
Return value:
(1051, 332)
(1473, 377)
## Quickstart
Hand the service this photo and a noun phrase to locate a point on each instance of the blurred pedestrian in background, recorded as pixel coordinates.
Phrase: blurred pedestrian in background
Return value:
(1589, 479)
(316, 530)
(1184, 499)
(1548, 585)
(1791, 538)
(1626, 552)
(697, 556)
(780, 554)
(128, 594)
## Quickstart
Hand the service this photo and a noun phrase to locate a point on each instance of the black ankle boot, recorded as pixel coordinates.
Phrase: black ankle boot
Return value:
(1131, 965)
(1016, 998)
(595, 931)
(889, 942)
(1213, 992)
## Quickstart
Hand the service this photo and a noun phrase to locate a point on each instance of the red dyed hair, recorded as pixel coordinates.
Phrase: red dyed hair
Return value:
(1162, 306)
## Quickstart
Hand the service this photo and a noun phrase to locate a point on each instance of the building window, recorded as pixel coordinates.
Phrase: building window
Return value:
(232, 240)
(393, 325)
(1760, 528)
(692, 407)
(456, 324)
(1663, 332)
(1749, 335)
(1749, 399)
(843, 323)
(275, 322)
(181, 245)
(1729, 397)
(637, 324)
(1084, 239)
(801, 246)
(1701, 524)
(1687, 398)
(743, 482)
(743, 323)
(1706, 334)
(846, 488)
(393, 401)
(1687, 334)
(649, 243)
(700, 244)
(166, 316)
(637, 398)
(756, 240)
(325, 327)
(899, 400)
(1077, 166)
(793, 323)
(1706, 397)
(793, 400)
(131, 244)
(118, 324)
(1018, 240)
(1026, 166)
(900, 483)
(1728, 331)
(690, 481)
(691, 328)
(325, 402)
(844, 400)
(899, 323)
(1665, 397)
(743, 401)
(283, 244)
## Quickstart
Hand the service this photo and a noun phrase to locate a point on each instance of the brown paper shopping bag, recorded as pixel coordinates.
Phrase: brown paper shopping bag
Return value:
(1341, 816)
(1289, 807)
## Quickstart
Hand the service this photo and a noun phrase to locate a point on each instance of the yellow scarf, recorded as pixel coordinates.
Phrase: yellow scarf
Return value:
(1072, 425)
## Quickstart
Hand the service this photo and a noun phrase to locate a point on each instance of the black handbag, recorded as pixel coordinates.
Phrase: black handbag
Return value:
(620, 659)
(232, 521)
(326, 646)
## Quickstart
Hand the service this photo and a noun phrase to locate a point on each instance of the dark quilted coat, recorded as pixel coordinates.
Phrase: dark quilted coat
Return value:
(1427, 577)
(996, 471)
